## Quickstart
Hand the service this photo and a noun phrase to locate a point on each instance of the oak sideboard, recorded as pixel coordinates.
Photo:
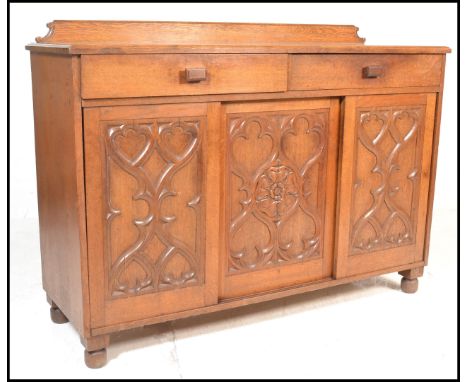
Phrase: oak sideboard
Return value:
(187, 168)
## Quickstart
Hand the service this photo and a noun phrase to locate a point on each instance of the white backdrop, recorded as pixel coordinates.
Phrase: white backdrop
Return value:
(380, 24)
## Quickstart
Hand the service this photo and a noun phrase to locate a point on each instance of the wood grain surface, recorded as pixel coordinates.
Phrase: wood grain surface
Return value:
(60, 184)
(333, 71)
(385, 169)
(115, 76)
(160, 32)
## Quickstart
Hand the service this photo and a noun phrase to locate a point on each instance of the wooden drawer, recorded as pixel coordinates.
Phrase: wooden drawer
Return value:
(141, 75)
(342, 71)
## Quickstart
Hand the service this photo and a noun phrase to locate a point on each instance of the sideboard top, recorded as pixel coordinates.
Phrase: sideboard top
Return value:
(122, 37)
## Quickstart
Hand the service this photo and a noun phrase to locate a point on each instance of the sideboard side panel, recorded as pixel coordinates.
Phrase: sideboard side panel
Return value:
(60, 183)
(435, 146)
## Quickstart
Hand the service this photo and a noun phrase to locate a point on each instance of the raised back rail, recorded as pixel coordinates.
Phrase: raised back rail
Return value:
(149, 32)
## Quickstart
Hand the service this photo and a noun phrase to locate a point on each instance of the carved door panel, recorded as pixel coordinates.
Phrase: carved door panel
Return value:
(280, 183)
(146, 199)
(385, 171)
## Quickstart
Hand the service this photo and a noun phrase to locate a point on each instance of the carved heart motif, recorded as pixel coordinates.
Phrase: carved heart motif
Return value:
(177, 271)
(303, 141)
(131, 142)
(177, 139)
(367, 234)
(131, 274)
(397, 228)
(251, 144)
(404, 125)
(374, 125)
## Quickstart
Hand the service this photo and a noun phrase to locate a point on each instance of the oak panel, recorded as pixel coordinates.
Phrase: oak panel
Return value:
(279, 182)
(147, 186)
(387, 148)
(60, 184)
(435, 148)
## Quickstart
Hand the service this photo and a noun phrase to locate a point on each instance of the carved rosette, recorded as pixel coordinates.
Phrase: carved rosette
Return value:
(157, 258)
(278, 163)
(391, 137)
(276, 191)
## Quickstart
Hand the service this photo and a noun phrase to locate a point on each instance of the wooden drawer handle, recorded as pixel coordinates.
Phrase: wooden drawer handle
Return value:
(373, 71)
(195, 74)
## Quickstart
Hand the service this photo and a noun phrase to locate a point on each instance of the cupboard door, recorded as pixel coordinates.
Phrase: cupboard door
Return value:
(280, 184)
(385, 169)
(146, 189)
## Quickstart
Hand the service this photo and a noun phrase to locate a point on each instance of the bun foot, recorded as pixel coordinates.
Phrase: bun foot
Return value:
(409, 285)
(409, 281)
(95, 353)
(57, 316)
(95, 359)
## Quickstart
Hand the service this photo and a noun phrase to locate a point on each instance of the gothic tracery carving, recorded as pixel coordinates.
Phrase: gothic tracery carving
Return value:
(130, 145)
(275, 189)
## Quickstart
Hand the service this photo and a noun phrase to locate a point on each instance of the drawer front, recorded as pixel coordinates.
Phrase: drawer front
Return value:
(143, 75)
(346, 71)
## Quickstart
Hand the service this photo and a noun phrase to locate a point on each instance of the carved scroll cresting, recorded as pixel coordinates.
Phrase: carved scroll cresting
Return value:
(389, 139)
(49, 34)
(275, 190)
(134, 270)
